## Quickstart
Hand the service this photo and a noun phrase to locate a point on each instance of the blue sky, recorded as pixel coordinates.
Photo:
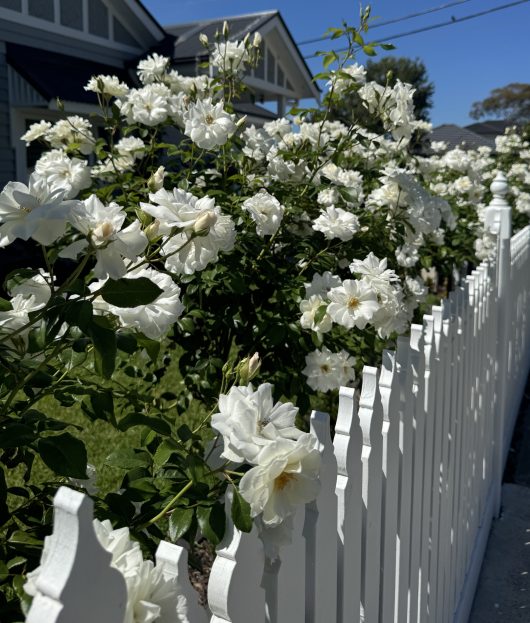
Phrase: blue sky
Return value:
(465, 60)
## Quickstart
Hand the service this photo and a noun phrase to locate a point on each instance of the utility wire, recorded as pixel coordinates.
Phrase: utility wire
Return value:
(396, 20)
(439, 25)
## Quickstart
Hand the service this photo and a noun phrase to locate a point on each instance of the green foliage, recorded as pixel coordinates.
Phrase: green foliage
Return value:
(511, 102)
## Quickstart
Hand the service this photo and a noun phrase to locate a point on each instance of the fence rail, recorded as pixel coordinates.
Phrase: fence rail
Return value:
(410, 482)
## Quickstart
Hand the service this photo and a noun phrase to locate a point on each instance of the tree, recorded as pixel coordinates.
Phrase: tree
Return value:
(511, 102)
(388, 70)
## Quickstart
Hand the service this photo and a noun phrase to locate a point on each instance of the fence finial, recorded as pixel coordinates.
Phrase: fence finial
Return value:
(498, 215)
(499, 187)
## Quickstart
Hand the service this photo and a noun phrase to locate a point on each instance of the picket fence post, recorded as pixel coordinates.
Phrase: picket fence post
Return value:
(76, 581)
(499, 219)
(348, 443)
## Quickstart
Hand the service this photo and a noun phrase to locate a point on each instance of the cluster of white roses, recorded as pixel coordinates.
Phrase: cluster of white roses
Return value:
(152, 595)
(91, 227)
(463, 176)
(377, 298)
(285, 461)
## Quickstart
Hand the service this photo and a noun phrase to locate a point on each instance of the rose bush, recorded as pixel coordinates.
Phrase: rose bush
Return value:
(186, 237)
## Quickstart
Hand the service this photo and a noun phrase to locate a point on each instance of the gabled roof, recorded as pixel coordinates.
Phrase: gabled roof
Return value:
(187, 47)
(187, 44)
(455, 136)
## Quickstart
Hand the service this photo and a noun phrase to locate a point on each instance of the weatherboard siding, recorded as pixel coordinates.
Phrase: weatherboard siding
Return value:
(7, 155)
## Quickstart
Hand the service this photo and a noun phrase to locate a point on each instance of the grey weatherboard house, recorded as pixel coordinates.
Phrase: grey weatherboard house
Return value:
(50, 49)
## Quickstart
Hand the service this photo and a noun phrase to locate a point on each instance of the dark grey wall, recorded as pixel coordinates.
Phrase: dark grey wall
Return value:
(7, 155)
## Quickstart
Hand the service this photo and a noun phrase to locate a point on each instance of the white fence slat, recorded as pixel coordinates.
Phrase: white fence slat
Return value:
(284, 578)
(456, 442)
(320, 526)
(444, 549)
(174, 562)
(438, 408)
(428, 400)
(235, 583)
(348, 443)
(76, 582)
(388, 387)
(417, 365)
(371, 419)
(405, 403)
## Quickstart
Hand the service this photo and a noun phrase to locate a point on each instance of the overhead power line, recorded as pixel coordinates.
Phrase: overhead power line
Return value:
(396, 19)
(440, 24)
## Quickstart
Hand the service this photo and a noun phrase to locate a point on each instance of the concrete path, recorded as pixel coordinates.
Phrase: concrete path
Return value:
(503, 592)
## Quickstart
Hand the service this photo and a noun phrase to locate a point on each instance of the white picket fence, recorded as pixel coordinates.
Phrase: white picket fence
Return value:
(410, 482)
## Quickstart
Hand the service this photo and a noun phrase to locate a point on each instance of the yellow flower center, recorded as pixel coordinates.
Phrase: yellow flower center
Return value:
(282, 480)
(324, 367)
(209, 119)
(353, 302)
(107, 229)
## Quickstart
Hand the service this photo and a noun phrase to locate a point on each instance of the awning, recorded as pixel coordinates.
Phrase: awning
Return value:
(55, 75)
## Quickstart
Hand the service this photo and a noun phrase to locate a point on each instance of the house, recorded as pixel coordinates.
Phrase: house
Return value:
(282, 77)
(50, 48)
(481, 134)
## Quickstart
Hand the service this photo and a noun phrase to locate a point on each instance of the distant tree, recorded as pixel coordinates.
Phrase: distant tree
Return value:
(511, 102)
(389, 69)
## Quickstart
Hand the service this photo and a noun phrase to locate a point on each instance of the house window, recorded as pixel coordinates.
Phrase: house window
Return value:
(271, 67)
(14, 5)
(72, 14)
(42, 9)
(98, 18)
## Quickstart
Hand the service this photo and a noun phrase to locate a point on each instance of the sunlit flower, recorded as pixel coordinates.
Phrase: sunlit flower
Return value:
(249, 420)
(285, 478)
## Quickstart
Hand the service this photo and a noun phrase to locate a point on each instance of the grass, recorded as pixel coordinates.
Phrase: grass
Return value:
(100, 437)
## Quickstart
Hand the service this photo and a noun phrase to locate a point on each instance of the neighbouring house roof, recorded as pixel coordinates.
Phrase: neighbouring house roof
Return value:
(270, 24)
(55, 75)
(455, 136)
(490, 128)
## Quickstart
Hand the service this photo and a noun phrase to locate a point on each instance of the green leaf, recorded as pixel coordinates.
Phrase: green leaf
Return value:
(64, 454)
(78, 314)
(15, 434)
(127, 342)
(127, 458)
(164, 452)
(104, 339)
(241, 512)
(212, 522)
(388, 46)
(71, 359)
(5, 305)
(130, 292)
(195, 467)
(180, 522)
(152, 347)
(321, 312)
(358, 39)
(20, 537)
(369, 50)
(329, 58)
(137, 419)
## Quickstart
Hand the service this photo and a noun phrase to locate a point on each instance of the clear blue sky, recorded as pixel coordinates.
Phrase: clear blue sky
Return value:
(465, 60)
